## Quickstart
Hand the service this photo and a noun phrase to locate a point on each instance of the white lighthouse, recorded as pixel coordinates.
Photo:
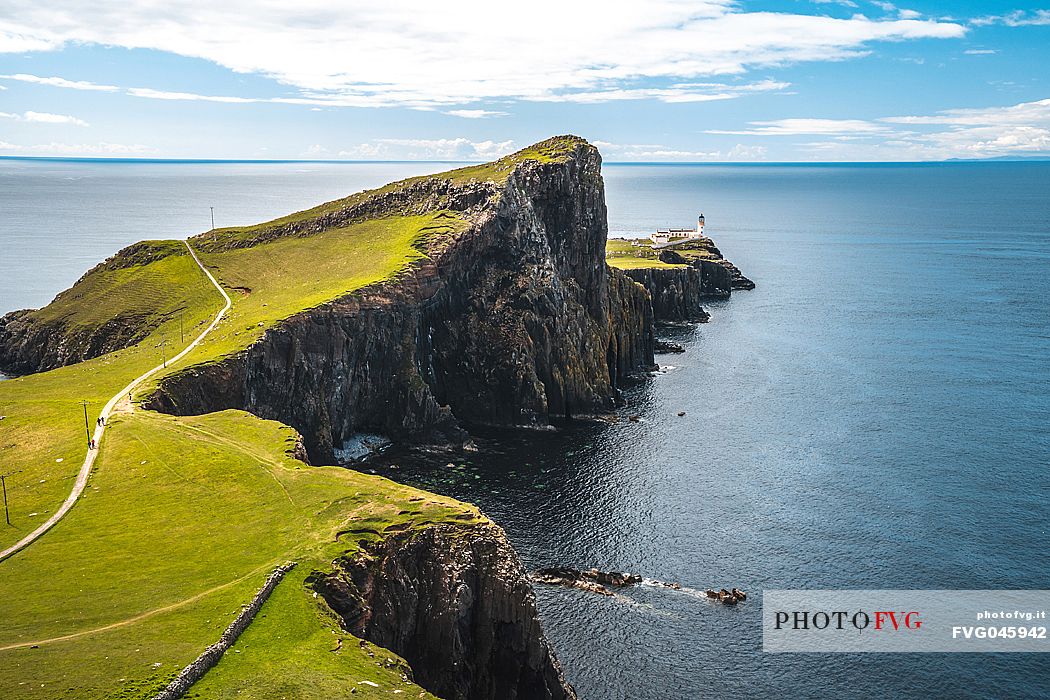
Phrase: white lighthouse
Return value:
(668, 236)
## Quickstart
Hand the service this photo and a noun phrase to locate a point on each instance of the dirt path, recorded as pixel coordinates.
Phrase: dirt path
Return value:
(137, 618)
(123, 398)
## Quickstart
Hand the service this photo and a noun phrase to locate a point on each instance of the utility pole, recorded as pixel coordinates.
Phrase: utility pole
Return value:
(86, 428)
(3, 482)
(164, 352)
(212, 218)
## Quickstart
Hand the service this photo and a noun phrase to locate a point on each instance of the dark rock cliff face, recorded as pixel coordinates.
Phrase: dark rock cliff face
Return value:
(678, 292)
(514, 321)
(455, 602)
(28, 345)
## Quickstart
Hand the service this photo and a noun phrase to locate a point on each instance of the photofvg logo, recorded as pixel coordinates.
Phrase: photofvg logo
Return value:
(904, 621)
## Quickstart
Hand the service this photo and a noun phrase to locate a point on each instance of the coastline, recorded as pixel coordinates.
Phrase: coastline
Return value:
(631, 489)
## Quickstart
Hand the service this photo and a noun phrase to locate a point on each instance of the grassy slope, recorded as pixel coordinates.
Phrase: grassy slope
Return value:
(555, 149)
(184, 517)
(44, 421)
(295, 649)
(626, 256)
(167, 511)
(182, 521)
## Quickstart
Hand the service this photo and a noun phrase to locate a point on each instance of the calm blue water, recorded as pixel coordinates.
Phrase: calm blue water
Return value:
(874, 415)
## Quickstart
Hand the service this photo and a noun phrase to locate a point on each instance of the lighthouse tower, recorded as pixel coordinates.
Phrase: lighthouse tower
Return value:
(700, 226)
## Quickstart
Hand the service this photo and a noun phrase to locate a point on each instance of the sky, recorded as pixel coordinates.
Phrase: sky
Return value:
(645, 80)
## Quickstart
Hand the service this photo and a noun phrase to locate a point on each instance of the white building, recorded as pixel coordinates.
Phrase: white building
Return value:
(673, 235)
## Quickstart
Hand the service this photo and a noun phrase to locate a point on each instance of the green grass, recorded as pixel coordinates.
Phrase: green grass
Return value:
(273, 281)
(183, 518)
(181, 522)
(623, 254)
(43, 439)
(294, 649)
(148, 292)
(556, 149)
(44, 421)
(639, 263)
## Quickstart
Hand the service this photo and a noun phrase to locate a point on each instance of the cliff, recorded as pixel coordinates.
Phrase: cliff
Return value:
(454, 601)
(113, 306)
(678, 292)
(678, 277)
(513, 319)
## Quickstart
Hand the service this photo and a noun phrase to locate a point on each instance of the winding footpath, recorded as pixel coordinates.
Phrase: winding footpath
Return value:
(89, 459)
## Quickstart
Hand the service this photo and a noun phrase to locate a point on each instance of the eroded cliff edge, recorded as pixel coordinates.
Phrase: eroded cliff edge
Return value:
(679, 276)
(454, 601)
(513, 320)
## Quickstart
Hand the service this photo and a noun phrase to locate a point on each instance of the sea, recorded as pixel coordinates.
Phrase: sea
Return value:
(874, 414)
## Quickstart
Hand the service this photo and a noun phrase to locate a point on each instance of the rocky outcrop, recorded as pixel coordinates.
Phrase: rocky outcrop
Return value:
(591, 580)
(29, 344)
(36, 340)
(678, 292)
(453, 601)
(515, 320)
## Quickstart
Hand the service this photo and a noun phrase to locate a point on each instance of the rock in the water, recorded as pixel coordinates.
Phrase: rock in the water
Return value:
(591, 580)
(666, 347)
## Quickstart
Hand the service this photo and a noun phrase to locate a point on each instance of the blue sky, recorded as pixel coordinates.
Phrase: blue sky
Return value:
(648, 80)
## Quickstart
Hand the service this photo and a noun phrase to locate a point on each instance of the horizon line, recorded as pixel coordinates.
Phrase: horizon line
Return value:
(274, 161)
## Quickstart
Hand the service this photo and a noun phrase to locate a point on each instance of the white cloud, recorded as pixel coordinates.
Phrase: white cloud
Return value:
(844, 3)
(60, 82)
(428, 149)
(659, 152)
(1017, 18)
(44, 118)
(12, 42)
(402, 52)
(163, 95)
(678, 92)
(48, 118)
(742, 152)
(101, 148)
(1021, 129)
(799, 127)
(980, 52)
(991, 140)
(1025, 113)
(475, 113)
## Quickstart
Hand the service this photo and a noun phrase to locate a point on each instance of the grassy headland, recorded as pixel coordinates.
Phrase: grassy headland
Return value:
(624, 254)
(184, 517)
